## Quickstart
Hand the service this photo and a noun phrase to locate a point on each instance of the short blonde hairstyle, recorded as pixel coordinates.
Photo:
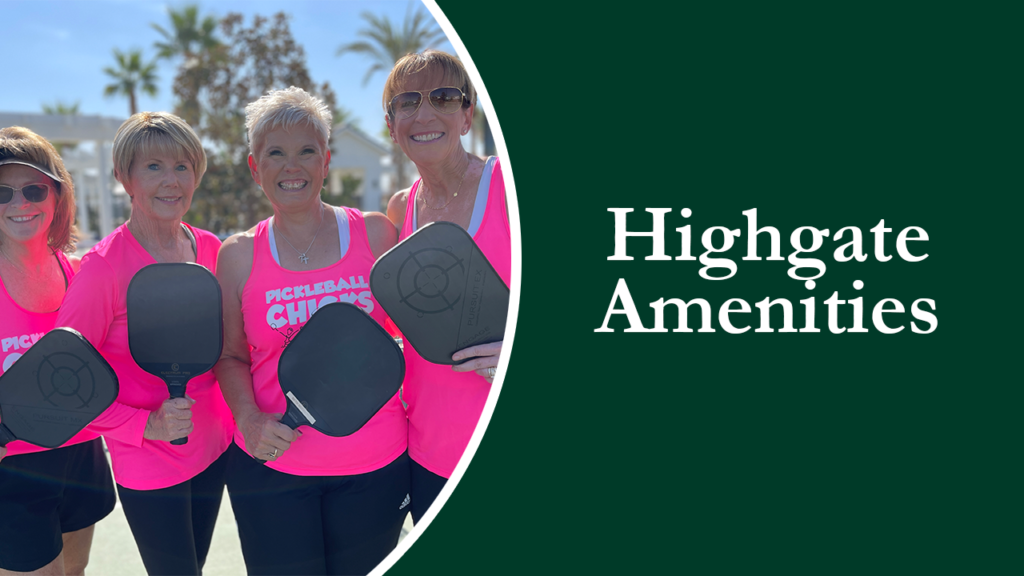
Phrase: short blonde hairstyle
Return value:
(24, 144)
(284, 109)
(451, 70)
(161, 132)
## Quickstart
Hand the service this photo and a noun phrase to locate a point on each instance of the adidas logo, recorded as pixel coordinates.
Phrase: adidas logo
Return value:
(405, 502)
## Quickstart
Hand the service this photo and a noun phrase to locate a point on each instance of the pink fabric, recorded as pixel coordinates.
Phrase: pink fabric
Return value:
(95, 306)
(276, 303)
(19, 330)
(444, 405)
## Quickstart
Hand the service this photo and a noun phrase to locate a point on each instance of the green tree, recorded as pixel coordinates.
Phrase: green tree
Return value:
(130, 76)
(193, 41)
(385, 45)
(59, 108)
(253, 59)
(187, 35)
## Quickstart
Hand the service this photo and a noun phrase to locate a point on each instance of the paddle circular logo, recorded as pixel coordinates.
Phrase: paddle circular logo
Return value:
(66, 381)
(431, 288)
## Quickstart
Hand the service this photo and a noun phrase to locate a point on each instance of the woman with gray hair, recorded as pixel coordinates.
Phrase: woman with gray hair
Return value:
(170, 493)
(320, 505)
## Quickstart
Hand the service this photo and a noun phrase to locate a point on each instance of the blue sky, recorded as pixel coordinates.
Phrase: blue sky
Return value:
(57, 49)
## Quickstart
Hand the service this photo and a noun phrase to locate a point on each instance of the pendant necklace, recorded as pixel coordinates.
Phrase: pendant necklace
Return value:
(302, 255)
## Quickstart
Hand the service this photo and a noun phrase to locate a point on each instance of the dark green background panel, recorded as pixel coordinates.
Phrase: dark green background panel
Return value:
(753, 453)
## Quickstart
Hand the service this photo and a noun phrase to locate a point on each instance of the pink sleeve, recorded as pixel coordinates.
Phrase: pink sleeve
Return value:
(88, 307)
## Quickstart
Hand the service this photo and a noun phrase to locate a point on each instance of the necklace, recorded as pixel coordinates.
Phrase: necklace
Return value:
(18, 267)
(302, 255)
(457, 188)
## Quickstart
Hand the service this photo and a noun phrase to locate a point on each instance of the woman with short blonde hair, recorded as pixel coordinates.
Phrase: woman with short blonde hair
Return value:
(428, 105)
(170, 493)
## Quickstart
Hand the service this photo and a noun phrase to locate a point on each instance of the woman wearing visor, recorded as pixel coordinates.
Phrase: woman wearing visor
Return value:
(50, 500)
(429, 103)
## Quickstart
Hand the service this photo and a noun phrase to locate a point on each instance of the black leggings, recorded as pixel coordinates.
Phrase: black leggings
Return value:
(173, 526)
(316, 524)
(425, 487)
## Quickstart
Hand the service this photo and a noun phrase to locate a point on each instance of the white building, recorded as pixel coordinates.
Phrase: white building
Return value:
(89, 162)
(356, 155)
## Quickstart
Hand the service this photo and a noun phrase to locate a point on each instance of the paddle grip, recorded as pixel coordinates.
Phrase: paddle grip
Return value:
(177, 390)
(288, 420)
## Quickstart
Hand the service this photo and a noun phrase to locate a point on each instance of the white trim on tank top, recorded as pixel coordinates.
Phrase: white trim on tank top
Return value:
(479, 203)
(344, 236)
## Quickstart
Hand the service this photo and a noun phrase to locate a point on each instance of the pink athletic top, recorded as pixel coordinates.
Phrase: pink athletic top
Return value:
(444, 405)
(19, 330)
(276, 303)
(95, 305)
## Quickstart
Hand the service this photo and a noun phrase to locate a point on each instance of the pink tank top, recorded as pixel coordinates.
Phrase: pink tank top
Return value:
(444, 405)
(19, 330)
(276, 303)
(96, 306)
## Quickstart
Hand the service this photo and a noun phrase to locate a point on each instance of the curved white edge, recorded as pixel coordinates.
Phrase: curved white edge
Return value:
(513, 307)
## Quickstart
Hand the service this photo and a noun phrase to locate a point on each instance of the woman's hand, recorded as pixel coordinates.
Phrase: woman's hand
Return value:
(265, 437)
(3, 452)
(484, 359)
(172, 421)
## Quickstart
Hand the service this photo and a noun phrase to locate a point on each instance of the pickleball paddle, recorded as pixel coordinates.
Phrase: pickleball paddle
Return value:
(339, 370)
(54, 390)
(441, 292)
(175, 330)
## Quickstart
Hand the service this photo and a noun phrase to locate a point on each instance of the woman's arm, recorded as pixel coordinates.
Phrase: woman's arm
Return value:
(264, 435)
(396, 208)
(381, 233)
(89, 307)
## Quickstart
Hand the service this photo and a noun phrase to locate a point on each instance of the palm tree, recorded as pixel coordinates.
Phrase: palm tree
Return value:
(385, 45)
(130, 76)
(190, 39)
(188, 36)
(60, 108)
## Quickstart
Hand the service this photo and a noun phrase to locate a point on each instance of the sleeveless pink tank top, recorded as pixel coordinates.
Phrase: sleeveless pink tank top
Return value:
(20, 329)
(276, 303)
(444, 405)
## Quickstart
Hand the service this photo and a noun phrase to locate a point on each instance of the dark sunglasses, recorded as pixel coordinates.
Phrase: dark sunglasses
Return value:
(32, 192)
(446, 100)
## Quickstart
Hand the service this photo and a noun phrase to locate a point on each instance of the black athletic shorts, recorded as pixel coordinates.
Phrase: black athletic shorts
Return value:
(316, 524)
(45, 494)
(425, 487)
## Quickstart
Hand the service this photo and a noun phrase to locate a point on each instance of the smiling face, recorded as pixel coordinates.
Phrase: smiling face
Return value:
(161, 182)
(21, 220)
(291, 165)
(429, 137)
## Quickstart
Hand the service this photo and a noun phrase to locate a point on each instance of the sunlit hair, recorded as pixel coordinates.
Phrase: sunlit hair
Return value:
(156, 133)
(24, 144)
(431, 62)
(284, 109)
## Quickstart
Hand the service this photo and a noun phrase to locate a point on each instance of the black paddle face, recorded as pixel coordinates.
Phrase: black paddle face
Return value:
(174, 320)
(175, 330)
(341, 369)
(58, 387)
(441, 292)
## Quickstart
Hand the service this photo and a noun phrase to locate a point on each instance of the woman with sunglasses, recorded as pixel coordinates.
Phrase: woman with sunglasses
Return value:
(50, 500)
(444, 403)
(170, 494)
(320, 505)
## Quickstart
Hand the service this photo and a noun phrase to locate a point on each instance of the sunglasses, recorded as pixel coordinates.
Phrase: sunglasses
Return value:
(32, 192)
(446, 100)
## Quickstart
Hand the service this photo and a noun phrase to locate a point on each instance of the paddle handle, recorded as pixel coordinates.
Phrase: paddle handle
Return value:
(6, 435)
(177, 390)
(288, 420)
